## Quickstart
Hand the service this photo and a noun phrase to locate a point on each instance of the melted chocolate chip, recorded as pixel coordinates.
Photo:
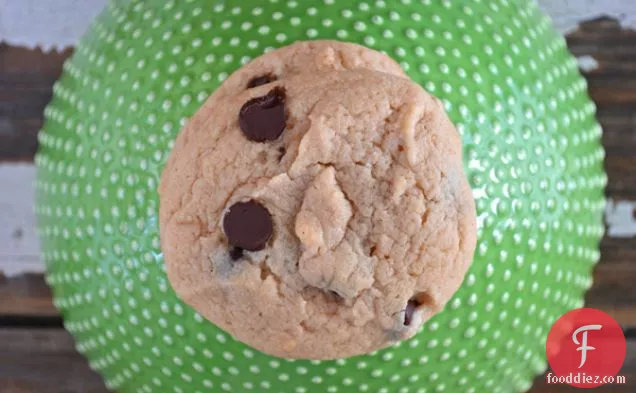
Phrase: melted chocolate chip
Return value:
(263, 119)
(248, 226)
(411, 306)
(261, 80)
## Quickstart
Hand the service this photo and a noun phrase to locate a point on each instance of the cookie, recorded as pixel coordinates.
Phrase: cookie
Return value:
(320, 214)
(308, 57)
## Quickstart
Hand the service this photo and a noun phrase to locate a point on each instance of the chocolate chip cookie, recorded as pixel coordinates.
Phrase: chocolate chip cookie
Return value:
(319, 208)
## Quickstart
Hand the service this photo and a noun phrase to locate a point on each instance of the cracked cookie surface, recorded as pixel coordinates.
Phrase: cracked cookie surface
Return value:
(317, 209)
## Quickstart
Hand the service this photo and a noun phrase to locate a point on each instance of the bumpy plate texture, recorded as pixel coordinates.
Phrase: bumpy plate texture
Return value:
(532, 152)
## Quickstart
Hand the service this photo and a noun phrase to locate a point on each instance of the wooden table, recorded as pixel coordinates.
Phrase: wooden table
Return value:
(37, 355)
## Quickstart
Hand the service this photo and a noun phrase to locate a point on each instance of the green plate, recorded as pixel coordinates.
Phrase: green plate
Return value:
(532, 153)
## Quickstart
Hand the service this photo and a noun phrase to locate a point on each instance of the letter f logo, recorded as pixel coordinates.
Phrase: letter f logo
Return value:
(584, 347)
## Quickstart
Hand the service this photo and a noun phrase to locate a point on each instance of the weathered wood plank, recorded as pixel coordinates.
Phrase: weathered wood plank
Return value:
(625, 315)
(44, 361)
(19, 246)
(604, 39)
(33, 65)
(621, 174)
(613, 287)
(617, 250)
(26, 295)
(619, 131)
(614, 277)
(613, 88)
(26, 85)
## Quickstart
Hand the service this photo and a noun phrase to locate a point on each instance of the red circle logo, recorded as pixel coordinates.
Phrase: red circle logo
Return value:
(585, 348)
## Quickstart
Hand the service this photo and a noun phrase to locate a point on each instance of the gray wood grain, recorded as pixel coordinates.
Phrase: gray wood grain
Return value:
(44, 361)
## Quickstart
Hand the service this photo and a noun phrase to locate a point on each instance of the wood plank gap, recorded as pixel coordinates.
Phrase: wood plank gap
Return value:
(30, 321)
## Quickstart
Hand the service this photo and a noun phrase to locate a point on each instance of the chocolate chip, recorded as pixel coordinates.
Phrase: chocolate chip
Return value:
(281, 153)
(261, 80)
(411, 306)
(236, 253)
(263, 118)
(248, 226)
